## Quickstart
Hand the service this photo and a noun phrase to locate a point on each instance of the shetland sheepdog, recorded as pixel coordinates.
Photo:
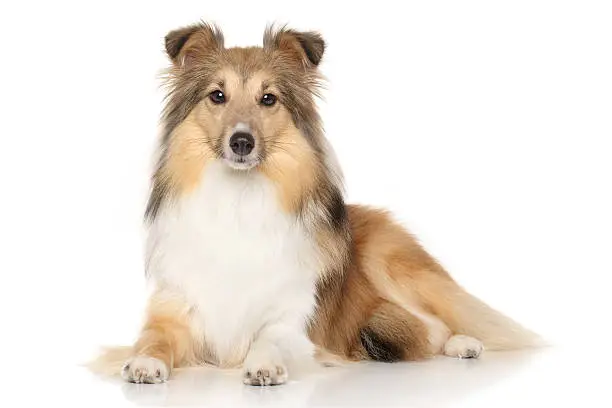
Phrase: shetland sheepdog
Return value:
(255, 259)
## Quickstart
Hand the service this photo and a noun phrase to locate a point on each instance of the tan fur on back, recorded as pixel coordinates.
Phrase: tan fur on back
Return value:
(385, 258)
(391, 270)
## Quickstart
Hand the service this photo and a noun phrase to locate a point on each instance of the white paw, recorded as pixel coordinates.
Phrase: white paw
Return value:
(145, 370)
(463, 347)
(265, 375)
(264, 369)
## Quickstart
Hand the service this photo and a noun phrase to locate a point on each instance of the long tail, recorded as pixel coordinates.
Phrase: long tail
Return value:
(466, 314)
(110, 361)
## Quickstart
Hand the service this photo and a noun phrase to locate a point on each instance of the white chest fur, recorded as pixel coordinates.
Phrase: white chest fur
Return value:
(234, 255)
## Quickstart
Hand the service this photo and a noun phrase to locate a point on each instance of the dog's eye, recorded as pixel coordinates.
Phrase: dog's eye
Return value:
(217, 97)
(268, 100)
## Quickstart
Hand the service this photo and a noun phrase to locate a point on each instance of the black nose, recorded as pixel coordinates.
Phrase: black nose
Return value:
(242, 143)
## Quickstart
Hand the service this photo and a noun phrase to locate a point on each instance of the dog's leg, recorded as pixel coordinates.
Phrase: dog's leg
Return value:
(164, 342)
(266, 361)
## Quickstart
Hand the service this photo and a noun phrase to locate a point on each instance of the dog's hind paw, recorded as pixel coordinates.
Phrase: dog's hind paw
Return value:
(461, 346)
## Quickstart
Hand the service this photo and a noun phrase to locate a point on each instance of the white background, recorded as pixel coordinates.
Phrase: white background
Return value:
(485, 126)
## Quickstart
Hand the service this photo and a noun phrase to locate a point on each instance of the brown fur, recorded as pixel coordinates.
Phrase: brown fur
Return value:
(380, 295)
(166, 333)
(391, 277)
(292, 167)
(352, 302)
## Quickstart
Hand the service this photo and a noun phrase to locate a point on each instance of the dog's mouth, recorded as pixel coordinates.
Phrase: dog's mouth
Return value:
(241, 162)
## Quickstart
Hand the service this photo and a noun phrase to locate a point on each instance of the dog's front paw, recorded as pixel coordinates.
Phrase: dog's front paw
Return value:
(145, 370)
(269, 373)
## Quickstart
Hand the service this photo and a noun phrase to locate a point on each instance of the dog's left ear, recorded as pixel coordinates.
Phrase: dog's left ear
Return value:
(305, 47)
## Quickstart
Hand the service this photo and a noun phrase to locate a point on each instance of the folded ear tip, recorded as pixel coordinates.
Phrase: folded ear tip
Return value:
(176, 39)
(210, 36)
(311, 43)
(314, 46)
(172, 49)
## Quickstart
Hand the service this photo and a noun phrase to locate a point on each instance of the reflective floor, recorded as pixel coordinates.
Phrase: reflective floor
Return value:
(534, 378)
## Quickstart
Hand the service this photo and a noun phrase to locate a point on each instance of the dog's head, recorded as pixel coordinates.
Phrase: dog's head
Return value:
(245, 103)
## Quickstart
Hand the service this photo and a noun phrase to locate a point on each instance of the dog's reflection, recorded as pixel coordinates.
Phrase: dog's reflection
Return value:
(440, 382)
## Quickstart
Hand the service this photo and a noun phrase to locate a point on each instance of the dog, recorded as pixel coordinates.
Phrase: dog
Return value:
(255, 259)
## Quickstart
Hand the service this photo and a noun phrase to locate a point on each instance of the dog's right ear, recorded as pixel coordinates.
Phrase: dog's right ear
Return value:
(186, 45)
